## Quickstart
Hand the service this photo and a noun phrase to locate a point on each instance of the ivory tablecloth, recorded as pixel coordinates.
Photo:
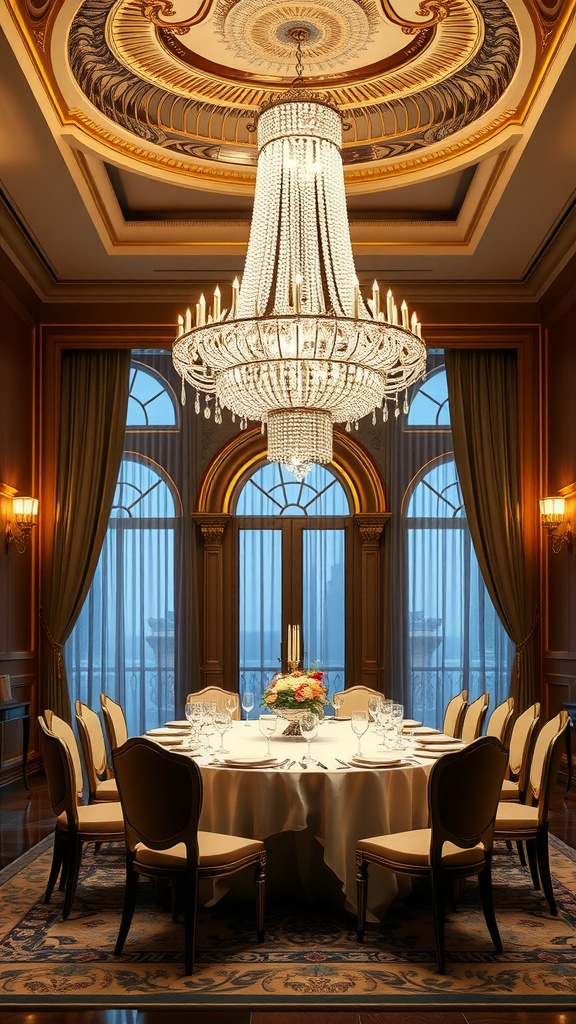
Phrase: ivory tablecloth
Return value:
(336, 807)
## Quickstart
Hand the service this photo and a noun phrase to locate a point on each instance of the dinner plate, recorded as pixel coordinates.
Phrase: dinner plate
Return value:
(376, 762)
(164, 731)
(342, 718)
(174, 743)
(410, 723)
(182, 724)
(426, 730)
(249, 762)
(438, 741)
(441, 748)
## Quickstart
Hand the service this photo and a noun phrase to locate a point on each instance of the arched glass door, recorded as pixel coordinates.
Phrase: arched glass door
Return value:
(291, 570)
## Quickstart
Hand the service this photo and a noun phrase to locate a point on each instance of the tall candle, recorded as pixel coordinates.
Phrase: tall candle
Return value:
(289, 646)
(389, 305)
(216, 303)
(375, 300)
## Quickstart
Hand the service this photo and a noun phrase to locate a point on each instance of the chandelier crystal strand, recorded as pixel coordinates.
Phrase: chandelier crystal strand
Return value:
(299, 349)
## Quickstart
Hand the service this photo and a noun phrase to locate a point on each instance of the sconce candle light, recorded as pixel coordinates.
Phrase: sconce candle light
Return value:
(25, 513)
(552, 512)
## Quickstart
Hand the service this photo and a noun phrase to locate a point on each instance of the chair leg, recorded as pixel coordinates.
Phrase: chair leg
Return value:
(74, 861)
(260, 894)
(438, 916)
(533, 862)
(486, 896)
(64, 872)
(130, 892)
(520, 848)
(543, 855)
(57, 857)
(361, 894)
(190, 904)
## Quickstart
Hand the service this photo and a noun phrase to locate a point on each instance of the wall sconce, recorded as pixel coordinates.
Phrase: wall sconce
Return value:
(25, 512)
(559, 531)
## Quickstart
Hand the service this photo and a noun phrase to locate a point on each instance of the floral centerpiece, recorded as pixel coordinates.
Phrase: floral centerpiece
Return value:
(296, 692)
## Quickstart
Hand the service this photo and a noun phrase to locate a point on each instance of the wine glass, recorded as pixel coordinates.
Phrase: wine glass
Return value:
(222, 722)
(373, 711)
(397, 716)
(337, 702)
(359, 726)
(193, 712)
(267, 725)
(231, 704)
(247, 702)
(308, 729)
(208, 727)
(385, 720)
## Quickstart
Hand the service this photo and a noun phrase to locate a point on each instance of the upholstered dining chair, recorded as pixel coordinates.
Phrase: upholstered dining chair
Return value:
(527, 822)
(76, 824)
(219, 695)
(355, 699)
(454, 714)
(474, 718)
(161, 796)
(500, 722)
(522, 740)
(114, 722)
(463, 790)
(94, 751)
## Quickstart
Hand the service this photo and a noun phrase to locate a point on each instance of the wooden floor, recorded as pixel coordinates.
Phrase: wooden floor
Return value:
(27, 818)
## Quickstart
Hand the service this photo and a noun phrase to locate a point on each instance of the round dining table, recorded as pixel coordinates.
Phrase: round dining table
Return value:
(311, 815)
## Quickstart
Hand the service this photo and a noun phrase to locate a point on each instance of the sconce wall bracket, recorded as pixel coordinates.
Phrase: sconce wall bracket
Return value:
(558, 535)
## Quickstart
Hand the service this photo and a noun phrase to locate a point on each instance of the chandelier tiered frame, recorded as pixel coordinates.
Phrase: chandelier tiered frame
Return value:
(299, 349)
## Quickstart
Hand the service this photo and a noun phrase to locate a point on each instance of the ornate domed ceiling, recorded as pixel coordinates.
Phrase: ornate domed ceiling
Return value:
(128, 150)
(178, 83)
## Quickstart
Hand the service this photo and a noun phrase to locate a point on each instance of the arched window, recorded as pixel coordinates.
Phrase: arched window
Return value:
(292, 552)
(123, 642)
(455, 639)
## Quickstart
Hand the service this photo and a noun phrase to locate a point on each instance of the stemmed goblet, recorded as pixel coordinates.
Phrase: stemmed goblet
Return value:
(308, 729)
(247, 702)
(359, 726)
(222, 722)
(373, 711)
(337, 702)
(231, 704)
(267, 725)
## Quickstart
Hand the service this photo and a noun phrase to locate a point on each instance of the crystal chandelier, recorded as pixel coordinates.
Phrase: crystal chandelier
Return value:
(299, 349)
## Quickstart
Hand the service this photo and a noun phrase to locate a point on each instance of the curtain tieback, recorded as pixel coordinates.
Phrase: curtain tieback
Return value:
(522, 645)
(56, 647)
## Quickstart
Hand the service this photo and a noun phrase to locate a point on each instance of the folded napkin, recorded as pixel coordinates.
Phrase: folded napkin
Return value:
(390, 761)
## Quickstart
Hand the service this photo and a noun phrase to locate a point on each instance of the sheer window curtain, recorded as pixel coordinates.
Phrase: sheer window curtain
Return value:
(482, 386)
(94, 397)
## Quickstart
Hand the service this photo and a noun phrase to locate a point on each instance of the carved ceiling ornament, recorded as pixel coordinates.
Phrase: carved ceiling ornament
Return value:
(422, 83)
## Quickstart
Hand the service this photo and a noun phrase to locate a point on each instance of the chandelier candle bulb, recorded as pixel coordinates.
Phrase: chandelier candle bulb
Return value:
(375, 301)
(414, 323)
(235, 291)
(298, 293)
(405, 315)
(188, 321)
(356, 299)
(202, 311)
(390, 306)
(217, 303)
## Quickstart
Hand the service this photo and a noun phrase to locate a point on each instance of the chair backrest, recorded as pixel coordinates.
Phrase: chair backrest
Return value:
(522, 740)
(454, 714)
(356, 699)
(60, 773)
(161, 796)
(500, 721)
(114, 722)
(92, 743)
(474, 718)
(65, 732)
(545, 764)
(219, 695)
(463, 793)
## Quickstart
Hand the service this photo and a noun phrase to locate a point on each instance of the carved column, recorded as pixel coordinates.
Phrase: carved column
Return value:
(368, 619)
(215, 655)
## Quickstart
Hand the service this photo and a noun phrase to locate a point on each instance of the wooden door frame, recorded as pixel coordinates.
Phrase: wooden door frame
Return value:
(228, 470)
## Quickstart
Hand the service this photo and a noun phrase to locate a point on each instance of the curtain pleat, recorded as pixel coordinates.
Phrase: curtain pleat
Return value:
(482, 388)
(94, 396)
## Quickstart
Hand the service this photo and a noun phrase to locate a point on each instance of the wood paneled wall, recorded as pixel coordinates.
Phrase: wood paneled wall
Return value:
(559, 475)
(18, 572)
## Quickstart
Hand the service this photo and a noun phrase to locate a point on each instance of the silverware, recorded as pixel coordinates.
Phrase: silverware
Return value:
(343, 763)
(303, 764)
(320, 765)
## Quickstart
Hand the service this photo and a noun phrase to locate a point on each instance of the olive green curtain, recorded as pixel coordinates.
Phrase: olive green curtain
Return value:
(483, 396)
(94, 398)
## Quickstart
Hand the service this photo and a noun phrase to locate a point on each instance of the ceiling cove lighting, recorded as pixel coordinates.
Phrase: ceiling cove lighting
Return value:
(299, 348)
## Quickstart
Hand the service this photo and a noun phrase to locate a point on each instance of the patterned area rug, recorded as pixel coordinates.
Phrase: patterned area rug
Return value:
(310, 957)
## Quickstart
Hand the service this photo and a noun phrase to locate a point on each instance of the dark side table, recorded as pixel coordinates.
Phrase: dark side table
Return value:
(570, 707)
(18, 711)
